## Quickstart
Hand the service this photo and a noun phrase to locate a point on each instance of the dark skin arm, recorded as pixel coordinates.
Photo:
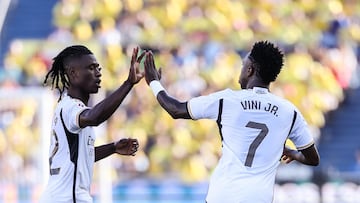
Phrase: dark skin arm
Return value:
(174, 107)
(127, 147)
(104, 109)
(308, 156)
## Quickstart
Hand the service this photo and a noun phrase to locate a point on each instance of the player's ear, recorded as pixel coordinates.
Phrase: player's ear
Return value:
(71, 72)
(71, 75)
(250, 70)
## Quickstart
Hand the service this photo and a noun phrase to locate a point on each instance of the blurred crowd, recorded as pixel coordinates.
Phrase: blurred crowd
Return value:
(199, 44)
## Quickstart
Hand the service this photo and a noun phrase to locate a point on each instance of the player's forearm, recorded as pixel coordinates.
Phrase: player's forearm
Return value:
(175, 108)
(103, 110)
(299, 156)
(104, 151)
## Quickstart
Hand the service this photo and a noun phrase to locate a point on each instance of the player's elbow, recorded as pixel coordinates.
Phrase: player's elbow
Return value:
(174, 114)
(179, 113)
(315, 161)
(176, 109)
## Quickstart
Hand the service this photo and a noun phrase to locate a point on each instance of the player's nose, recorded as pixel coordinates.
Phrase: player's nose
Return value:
(98, 73)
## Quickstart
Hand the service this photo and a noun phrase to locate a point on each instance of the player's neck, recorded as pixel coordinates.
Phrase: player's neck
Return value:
(256, 82)
(79, 95)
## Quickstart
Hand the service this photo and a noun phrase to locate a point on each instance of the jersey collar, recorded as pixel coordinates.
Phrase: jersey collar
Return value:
(260, 90)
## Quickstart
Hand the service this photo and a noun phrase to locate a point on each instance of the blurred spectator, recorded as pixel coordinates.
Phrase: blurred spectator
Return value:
(330, 38)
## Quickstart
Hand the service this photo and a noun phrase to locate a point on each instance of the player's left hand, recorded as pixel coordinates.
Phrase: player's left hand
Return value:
(127, 146)
(288, 155)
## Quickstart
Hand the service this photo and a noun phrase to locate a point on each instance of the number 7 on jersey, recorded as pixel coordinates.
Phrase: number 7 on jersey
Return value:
(257, 141)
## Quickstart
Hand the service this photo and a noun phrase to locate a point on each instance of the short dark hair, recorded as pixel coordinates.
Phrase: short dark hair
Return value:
(57, 71)
(268, 60)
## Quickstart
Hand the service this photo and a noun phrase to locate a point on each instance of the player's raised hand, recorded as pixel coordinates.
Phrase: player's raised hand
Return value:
(127, 146)
(135, 75)
(151, 73)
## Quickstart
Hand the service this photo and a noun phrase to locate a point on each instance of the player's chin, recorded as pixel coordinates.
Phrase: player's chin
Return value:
(95, 90)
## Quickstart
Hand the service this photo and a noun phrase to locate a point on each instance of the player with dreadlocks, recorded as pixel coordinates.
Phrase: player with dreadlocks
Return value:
(75, 72)
(253, 124)
(57, 71)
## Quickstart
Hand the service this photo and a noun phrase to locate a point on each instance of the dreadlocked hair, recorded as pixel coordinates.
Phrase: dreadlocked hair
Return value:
(268, 59)
(57, 72)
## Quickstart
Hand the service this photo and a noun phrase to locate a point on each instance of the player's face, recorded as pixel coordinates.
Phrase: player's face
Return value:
(88, 74)
(244, 76)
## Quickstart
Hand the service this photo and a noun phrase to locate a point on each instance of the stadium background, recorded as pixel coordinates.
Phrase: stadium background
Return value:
(199, 44)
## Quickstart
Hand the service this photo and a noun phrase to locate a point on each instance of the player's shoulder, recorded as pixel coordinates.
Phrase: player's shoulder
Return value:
(69, 102)
(285, 103)
(221, 93)
(229, 94)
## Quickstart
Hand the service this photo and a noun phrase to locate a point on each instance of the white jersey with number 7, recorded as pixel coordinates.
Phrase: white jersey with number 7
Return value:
(254, 125)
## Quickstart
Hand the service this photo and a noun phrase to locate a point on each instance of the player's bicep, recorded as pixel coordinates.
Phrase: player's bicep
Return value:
(84, 119)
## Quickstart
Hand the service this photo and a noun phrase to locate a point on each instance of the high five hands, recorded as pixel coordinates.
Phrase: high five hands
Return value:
(130, 146)
(151, 73)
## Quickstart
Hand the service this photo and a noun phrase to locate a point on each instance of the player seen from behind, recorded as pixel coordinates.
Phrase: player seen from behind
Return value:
(253, 124)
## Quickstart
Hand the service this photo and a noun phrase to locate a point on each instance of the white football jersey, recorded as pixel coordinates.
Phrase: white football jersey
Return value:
(71, 156)
(254, 125)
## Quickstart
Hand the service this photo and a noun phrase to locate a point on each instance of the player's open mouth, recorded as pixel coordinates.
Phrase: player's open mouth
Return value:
(98, 83)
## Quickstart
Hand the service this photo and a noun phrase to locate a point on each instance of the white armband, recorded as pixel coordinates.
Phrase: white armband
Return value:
(156, 87)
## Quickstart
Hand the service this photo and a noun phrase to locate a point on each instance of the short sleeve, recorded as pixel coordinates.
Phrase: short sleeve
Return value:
(300, 134)
(204, 106)
(71, 113)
